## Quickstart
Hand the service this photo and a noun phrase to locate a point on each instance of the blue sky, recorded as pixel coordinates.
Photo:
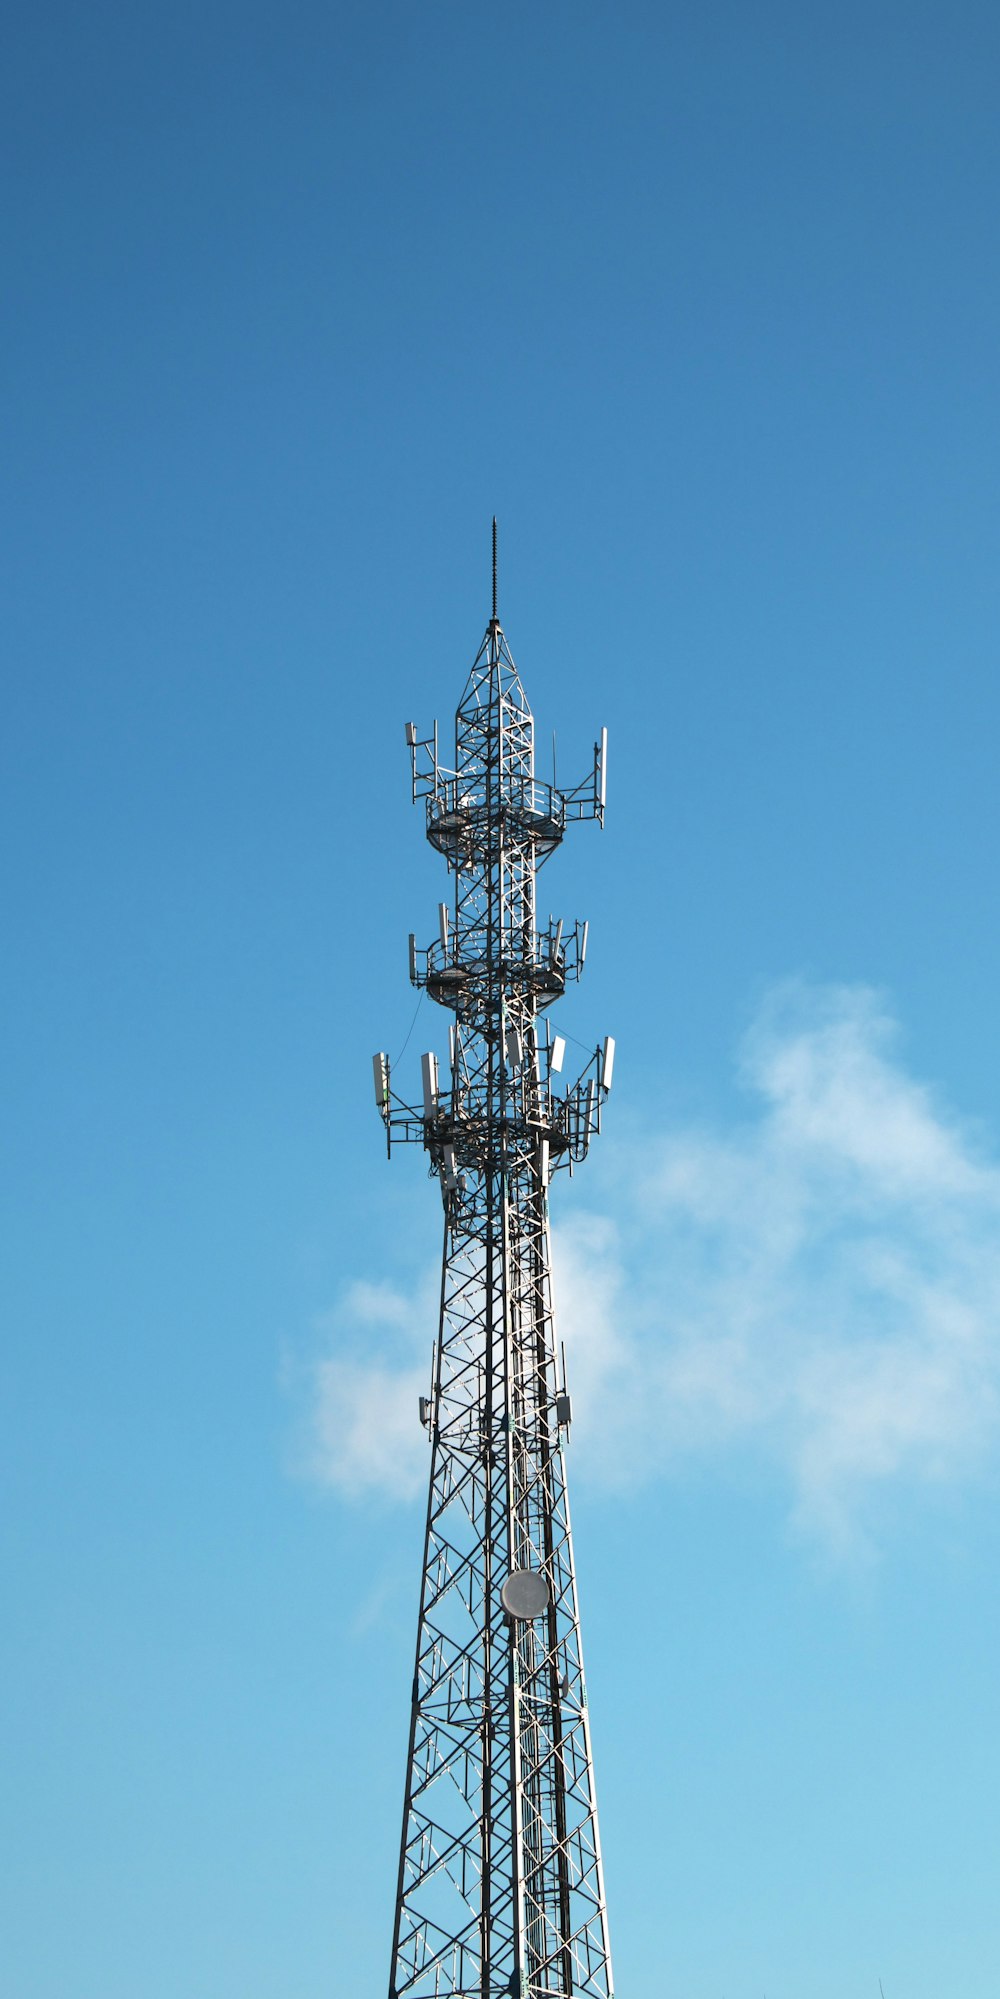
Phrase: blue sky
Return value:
(704, 304)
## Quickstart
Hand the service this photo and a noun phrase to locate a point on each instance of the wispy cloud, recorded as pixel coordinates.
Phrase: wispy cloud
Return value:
(819, 1283)
(361, 1433)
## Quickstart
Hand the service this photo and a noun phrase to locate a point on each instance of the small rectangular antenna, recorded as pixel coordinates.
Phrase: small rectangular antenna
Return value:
(380, 1067)
(608, 1063)
(583, 945)
(411, 734)
(413, 959)
(515, 1052)
(558, 1054)
(602, 770)
(429, 1075)
(443, 925)
(543, 1162)
(555, 942)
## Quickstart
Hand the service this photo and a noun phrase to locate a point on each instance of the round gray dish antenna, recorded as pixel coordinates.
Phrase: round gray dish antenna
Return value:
(525, 1595)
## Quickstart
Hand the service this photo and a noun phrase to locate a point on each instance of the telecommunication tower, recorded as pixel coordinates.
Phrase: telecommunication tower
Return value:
(500, 1892)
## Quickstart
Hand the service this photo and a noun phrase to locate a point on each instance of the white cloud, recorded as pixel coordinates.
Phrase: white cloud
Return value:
(362, 1433)
(819, 1284)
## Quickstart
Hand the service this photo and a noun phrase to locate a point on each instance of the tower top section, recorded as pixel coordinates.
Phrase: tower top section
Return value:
(492, 781)
(493, 964)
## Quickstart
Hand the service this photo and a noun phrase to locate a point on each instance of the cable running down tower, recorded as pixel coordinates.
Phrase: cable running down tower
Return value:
(500, 1892)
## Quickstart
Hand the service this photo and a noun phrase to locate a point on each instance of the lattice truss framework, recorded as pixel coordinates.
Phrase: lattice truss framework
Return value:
(500, 1887)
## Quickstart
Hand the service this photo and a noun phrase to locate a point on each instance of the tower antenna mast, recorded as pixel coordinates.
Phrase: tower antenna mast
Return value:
(500, 1892)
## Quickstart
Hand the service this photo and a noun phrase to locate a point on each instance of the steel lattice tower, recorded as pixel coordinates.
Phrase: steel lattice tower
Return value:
(500, 1892)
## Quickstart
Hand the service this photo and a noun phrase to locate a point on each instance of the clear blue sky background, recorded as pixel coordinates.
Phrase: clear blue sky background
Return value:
(704, 303)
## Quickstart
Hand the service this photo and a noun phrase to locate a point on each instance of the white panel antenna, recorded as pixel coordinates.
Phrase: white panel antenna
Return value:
(608, 1062)
(429, 1075)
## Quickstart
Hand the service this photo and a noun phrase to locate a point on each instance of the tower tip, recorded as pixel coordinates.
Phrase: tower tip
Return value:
(494, 569)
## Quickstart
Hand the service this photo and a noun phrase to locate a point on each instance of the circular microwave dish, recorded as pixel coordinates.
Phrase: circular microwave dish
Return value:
(525, 1595)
